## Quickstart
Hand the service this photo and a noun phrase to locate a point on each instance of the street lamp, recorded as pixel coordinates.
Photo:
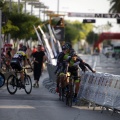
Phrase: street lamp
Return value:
(58, 7)
(31, 4)
(40, 5)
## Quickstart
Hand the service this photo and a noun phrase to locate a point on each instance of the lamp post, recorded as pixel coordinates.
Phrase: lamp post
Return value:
(58, 7)
(18, 6)
(34, 4)
(32, 1)
(40, 5)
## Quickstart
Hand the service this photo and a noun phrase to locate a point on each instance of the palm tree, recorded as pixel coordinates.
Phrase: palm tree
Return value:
(115, 6)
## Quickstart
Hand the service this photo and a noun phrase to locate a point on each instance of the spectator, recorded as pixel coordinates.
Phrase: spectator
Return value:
(20, 46)
(60, 23)
(34, 49)
(39, 58)
(8, 56)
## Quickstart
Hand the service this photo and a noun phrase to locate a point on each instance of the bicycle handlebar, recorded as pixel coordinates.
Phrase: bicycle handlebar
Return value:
(27, 67)
(74, 76)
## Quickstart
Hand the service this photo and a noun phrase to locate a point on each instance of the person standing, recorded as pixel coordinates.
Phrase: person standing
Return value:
(39, 58)
(34, 49)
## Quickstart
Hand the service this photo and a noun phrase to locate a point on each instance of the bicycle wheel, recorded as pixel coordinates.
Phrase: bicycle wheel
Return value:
(69, 96)
(63, 94)
(70, 100)
(28, 84)
(2, 79)
(12, 84)
(60, 93)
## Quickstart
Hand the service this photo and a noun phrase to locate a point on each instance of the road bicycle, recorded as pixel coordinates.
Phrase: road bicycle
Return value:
(14, 82)
(70, 90)
(2, 79)
(62, 86)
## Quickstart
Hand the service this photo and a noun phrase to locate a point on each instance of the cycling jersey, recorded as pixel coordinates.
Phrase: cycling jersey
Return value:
(75, 64)
(18, 58)
(74, 69)
(62, 62)
(80, 63)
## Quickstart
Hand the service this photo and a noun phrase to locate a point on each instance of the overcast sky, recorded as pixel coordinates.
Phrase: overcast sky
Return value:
(80, 6)
(83, 6)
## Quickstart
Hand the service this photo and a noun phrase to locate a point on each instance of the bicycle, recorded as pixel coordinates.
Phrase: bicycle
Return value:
(13, 82)
(70, 91)
(2, 79)
(62, 84)
(4, 66)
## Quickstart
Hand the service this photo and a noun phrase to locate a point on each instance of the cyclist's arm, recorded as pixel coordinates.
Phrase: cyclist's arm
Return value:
(88, 66)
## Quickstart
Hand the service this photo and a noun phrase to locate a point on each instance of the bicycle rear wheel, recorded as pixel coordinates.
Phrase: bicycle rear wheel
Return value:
(2, 79)
(69, 99)
(12, 84)
(28, 84)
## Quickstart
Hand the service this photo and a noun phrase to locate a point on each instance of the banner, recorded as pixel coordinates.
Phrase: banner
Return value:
(94, 15)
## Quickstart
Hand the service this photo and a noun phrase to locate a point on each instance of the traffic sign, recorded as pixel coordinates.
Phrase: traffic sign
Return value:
(89, 21)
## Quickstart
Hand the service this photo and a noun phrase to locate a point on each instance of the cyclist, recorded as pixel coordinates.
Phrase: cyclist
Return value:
(62, 63)
(74, 64)
(20, 59)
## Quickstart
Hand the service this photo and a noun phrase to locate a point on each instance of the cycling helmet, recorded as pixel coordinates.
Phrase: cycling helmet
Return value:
(68, 46)
(63, 47)
(73, 54)
(24, 48)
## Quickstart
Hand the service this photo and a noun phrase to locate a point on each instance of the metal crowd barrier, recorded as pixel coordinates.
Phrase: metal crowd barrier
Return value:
(101, 89)
(51, 82)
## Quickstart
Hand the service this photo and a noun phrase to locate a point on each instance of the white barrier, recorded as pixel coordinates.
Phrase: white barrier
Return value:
(101, 88)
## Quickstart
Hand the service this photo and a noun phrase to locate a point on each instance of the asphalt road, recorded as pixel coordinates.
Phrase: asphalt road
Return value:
(43, 105)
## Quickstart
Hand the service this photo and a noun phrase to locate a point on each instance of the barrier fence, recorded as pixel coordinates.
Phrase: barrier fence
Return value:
(99, 88)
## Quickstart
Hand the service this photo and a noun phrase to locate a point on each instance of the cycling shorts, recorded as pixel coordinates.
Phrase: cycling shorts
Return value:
(16, 64)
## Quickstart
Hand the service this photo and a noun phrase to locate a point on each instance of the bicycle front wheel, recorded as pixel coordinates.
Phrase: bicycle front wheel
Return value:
(28, 84)
(2, 79)
(12, 84)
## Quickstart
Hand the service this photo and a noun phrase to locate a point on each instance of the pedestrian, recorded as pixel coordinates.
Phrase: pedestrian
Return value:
(60, 23)
(34, 49)
(20, 46)
(39, 58)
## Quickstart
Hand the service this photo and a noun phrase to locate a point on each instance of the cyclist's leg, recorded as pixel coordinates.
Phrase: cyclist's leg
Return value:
(76, 83)
(15, 64)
